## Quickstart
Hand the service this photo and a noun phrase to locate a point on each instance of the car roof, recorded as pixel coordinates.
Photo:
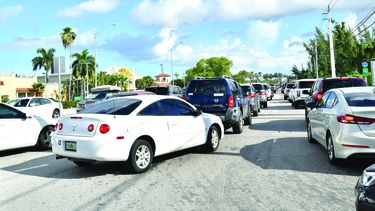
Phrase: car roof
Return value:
(307, 79)
(359, 89)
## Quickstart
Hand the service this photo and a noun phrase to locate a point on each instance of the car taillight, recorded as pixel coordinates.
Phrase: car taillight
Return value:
(252, 95)
(104, 128)
(90, 128)
(318, 96)
(262, 92)
(61, 126)
(56, 126)
(231, 102)
(298, 93)
(184, 98)
(350, 119)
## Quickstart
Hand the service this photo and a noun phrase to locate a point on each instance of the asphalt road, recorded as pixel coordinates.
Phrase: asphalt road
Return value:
(270, 166)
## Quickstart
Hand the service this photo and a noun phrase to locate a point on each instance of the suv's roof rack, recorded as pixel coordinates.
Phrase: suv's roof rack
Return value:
(226, 76)
(199, 77)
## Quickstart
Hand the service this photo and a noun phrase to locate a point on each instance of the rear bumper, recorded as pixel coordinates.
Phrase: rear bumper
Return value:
(230, 117)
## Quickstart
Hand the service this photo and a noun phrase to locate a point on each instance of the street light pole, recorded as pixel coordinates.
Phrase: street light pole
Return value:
(172, 59)
(96, 34)
(87, 80)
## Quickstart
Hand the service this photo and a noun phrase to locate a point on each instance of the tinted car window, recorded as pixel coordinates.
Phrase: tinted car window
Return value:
(116, 106)
(360, 99)
(175, 108)
(305, 84)
(21, 103)
(8, 113)
(158, 90)
(332, 84)
(331, 100)
(151, 110)
(45, 101)
(322, 102)
(289, 86)
(207, 88)
(234, 88)
(258, 87)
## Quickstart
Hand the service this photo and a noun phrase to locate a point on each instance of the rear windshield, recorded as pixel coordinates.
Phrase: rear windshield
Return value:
(115, 106)
(305, 84)
(258, 87)
(245, 89)
(207, 88)
(360, 99)
(289, 86)
(158, 90)
(332, 84)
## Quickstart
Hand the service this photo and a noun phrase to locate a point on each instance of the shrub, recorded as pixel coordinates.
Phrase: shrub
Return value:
(69, 104)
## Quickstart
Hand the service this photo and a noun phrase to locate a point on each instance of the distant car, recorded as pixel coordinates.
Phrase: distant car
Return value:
(287, 89)
(269, 91)
(342, 121)
(322, 85)
(261, 91)
(365, 190)
(251, 93)
(134, 129)
(19, 129)
(223, 97)
(298, 95)
(170, 90)
(40, 106)
(97, 94)
(131, 93)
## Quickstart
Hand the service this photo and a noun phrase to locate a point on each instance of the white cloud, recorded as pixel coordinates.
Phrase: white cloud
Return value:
(84, 39)
(27, 42)
(90, 6)
(6, 12)
(263, 32)
(351, 20)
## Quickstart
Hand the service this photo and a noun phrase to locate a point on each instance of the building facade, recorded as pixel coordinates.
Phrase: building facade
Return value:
(14, 86)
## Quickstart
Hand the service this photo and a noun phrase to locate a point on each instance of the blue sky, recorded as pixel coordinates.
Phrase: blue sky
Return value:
(261, 36)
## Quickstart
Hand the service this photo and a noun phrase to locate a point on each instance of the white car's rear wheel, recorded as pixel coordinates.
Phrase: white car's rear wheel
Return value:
(141, 156)
(213, 139)
(331, 151)
(44, 139)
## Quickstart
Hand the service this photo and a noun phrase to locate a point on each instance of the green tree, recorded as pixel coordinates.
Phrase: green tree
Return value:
(67, 37)
(45, 61)
(38, 88)
(212, 67)
(83, 65)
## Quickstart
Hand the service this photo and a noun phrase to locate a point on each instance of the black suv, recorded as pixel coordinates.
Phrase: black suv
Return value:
(322, 85)
(222, 97)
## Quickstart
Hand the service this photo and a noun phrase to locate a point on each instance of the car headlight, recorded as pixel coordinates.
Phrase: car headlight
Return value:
(368, 176)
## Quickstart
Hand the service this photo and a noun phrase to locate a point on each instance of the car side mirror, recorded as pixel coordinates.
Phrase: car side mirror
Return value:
(305, 92)
(23, 116)
(197, 112)
(311, 105)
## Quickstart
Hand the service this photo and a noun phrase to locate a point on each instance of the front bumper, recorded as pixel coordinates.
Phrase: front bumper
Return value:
(365, 197)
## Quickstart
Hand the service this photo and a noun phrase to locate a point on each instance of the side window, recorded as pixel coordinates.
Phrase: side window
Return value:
(175, 108)
(322, 102)
(45, 101)
(35, 102)
(234, 89)
(8, 113)
(331, 100)
(151, 110)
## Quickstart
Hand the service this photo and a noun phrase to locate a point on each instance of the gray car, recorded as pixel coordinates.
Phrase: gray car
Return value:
(251, 93)
(261, 91)
(97, 94)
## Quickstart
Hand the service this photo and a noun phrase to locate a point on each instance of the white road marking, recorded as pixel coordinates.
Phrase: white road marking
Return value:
(34, 167)
(274, 140)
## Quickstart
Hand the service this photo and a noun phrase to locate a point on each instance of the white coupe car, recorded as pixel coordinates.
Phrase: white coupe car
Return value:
(134, 129)
(37, 105)
(18, 129)
(343, 122)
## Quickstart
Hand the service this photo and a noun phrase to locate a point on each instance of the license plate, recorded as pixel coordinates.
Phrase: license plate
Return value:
(70, 146)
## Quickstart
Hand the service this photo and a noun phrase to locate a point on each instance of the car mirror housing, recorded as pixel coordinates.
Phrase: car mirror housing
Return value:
(197, 112)
(305, 92)
(311, 104)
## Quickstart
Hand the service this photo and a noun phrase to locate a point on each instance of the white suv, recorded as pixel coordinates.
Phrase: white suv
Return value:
(298, 95)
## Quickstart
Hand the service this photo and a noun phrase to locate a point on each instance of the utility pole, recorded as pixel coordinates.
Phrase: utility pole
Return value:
(331, 49)
(316, 59)
(162, 71)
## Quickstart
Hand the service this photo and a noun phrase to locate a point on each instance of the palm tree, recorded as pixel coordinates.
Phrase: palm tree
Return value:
(83, 65)
(45, 60)
(38, 88)
(67, 37)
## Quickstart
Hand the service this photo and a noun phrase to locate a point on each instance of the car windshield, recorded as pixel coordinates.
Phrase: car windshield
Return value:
(115, 106)
(158, 90)
(207, 88)
(258, 86)
(19, 102)
(360, 99)
(305, 84)
(332, 84)
(96, 96)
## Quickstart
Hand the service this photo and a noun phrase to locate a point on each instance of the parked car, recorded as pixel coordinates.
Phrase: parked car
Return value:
(261, 91)
(97, 94)
(365, 190)
(297, 96)
(342, 121)
(222, 97)
(287, 89)
(40, 106)
(171, 90)
(250, 93)
(269, 91)
(134, 129)
(131, 93)
(322, 85)
(22, 129)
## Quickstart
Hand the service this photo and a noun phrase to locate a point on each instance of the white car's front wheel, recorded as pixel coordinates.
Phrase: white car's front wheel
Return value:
(331, 151)
(213, 139)
(141, 156)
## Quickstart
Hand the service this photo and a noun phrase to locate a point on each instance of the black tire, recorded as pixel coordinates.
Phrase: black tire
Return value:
(306, 114)
(248, 120)
(331, 151)
(213, 139)
(82, 163)
(238, 126)
(310, 139)
(256, 112)
(285, 97)
(265, 105)
(141, 156)
(259, 108)
(296, 105)
(44, 138)
(56, 113)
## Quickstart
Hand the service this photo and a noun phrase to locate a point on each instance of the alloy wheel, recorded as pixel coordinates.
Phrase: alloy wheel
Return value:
(142, 156)
(214, 138)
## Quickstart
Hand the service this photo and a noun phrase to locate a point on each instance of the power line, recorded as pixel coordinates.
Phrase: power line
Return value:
(365, 19)
(333, 4)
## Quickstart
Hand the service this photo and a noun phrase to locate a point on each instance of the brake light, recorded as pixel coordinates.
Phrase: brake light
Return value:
(262, 92)
(350, 119)
(318, 96)
(184, 98)
(90, 128)
(231, 102)
(56, 126)
(252, 95)
(76, 117)
(61, 126)
(104, 128)
(298, 93)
